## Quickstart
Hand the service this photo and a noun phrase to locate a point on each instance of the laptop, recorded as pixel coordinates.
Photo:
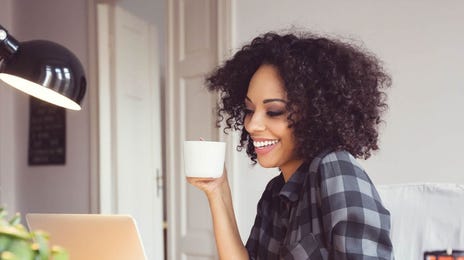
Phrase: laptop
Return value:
(91, 236)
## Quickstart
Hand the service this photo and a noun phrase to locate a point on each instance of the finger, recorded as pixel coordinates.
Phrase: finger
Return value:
(197, 179)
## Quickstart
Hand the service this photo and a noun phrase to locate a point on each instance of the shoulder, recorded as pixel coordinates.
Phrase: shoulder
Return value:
(341, 163)
(340, 172)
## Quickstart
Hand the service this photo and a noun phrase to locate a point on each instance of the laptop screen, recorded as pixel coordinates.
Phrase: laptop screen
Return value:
(91, 236)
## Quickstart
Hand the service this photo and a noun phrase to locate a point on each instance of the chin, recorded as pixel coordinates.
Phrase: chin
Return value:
(267, 164)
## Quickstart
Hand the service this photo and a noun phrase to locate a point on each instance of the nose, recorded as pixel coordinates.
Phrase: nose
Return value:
(255, 123)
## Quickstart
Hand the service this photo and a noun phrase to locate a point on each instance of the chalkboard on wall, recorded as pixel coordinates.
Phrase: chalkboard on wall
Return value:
(47, 133)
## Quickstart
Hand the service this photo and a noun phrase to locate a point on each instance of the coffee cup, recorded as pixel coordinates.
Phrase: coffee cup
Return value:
(204, 159)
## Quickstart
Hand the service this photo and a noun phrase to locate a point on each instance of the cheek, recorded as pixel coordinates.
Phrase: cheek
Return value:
(287, 136)
(283, 130)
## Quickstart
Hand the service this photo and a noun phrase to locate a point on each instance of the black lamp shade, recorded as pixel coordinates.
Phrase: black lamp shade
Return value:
(47, 71)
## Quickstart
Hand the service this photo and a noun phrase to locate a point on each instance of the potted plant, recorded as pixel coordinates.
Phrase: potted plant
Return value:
(17, 243)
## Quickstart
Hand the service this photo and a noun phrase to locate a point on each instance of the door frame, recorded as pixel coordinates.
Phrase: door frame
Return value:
(103, 187)
(105, 140)
(224, 43)
(93, 94)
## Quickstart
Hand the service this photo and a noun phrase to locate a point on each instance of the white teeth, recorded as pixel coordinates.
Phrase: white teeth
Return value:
(264, 143)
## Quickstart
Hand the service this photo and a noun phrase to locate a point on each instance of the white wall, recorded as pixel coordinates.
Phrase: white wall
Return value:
(53, 188)
(7, 163)
(421, 43)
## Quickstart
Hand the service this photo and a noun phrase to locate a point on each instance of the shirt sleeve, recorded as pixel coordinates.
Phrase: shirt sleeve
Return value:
(253, 240)
(356, 224)
(254, 246)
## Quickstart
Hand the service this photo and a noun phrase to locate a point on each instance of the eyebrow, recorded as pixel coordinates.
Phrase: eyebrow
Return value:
(268, 100)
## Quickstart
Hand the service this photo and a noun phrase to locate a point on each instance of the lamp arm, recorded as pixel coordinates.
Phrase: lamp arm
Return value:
(8, 44)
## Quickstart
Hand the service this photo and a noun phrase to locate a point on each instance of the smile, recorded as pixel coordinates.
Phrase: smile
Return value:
(263, 144)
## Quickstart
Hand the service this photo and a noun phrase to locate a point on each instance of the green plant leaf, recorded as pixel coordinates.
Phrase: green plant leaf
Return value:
(15, 232)
(4, 242)
(41, 238)
(16, 220)
(21, 249)
(59, 253)
(17, 243)
(6, 255)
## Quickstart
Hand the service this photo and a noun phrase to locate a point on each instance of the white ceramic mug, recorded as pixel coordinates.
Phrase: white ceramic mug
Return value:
(204, 159)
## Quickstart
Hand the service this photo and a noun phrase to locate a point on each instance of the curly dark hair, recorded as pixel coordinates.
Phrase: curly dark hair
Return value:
(335, 91)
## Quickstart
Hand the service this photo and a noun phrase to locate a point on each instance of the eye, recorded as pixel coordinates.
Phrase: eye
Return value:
(275, 113)
(247, 111)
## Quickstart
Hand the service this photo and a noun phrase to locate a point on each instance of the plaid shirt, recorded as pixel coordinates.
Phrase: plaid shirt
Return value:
(328, 209)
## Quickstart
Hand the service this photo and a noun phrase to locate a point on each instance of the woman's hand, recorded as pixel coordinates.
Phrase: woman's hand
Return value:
(228, 241)
(210, 185)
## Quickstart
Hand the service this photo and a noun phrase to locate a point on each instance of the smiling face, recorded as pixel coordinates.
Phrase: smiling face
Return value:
(266, 121)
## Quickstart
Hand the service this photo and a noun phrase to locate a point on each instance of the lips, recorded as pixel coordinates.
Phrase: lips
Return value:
(263, 146)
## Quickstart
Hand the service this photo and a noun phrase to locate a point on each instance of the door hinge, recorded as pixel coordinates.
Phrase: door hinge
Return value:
(159, 183)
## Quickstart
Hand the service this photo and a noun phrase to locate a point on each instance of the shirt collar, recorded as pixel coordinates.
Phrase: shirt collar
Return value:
(291, 189)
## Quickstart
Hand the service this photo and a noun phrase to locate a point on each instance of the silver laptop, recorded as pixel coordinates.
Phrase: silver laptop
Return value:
(91, 236)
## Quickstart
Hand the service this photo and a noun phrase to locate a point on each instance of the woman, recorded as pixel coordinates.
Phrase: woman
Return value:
(308, 105)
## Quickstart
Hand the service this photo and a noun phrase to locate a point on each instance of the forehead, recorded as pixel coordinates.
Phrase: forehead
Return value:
(266, 83)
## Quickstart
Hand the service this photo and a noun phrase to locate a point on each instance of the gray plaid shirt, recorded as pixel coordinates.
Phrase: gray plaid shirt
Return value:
(328, 209)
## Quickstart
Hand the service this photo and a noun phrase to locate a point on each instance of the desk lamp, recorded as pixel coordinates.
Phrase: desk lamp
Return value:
(43, 69)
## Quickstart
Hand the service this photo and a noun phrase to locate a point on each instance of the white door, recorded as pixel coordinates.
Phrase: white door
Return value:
(130, 123)
(192, 53)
